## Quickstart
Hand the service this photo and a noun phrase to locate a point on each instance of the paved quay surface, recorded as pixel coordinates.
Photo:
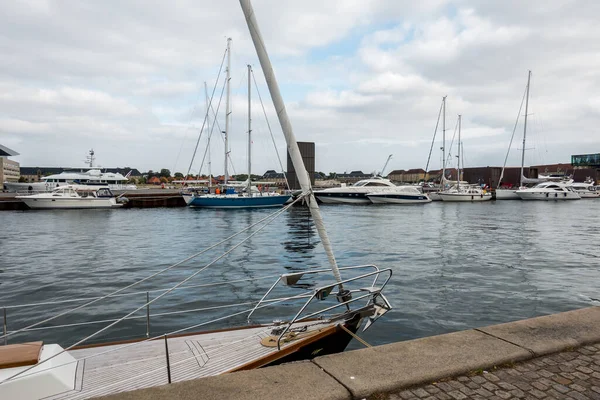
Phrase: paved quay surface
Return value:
(550, 357)
(569, 375)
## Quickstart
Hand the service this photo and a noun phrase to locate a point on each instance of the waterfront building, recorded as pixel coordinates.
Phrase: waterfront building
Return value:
(414, 175)
(9, 169)
(277, 178)
(307, 151)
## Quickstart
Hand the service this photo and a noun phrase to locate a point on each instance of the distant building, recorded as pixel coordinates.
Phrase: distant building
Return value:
(353, 177)
(277, 178)
(9, 169)
(586, 160)
(307, 150)
(414, 175)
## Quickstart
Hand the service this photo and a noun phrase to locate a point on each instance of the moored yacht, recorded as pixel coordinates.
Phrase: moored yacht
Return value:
(548, 191)
(355, 194)
(585, 190)
(72, 196)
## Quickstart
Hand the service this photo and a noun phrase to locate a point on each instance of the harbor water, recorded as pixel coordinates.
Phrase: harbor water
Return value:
(455, 266)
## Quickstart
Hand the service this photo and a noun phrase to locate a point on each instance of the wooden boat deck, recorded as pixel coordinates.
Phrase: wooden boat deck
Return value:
(144, 364)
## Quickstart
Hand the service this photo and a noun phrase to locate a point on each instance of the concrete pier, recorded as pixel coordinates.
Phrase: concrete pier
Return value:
(488, 362)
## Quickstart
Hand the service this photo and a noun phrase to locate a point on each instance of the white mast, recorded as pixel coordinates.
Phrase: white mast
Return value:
(525, 130)
(286, 127)
(249, 133)
(458, 166)
(227, 108)
(208, 136)
(443, 143)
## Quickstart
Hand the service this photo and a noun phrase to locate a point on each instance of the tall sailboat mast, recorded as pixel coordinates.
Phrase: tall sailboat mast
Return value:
(286, 127)
(525, 129)
(227, 109)
(458, 167)
(443, 142)
(209, 135)
(249, 131)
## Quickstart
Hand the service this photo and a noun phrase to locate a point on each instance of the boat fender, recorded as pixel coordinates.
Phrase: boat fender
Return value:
(472, 197)
(555, 194)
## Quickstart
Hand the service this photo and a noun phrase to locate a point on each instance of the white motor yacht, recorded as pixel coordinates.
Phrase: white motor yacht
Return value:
(585, 190)
(549, 191)
(465, 193)
(355, 194)
(72, 196)
(399, 195)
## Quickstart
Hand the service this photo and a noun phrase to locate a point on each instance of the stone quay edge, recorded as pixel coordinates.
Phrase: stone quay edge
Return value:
(392, 367)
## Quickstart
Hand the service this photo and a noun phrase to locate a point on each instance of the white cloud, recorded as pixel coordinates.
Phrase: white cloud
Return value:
(127, 78)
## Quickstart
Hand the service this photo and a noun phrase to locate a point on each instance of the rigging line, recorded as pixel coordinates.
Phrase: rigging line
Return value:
(512, 137)
(151, 276)
(51, 302)
(449, 158)
(148, 339)
(270, 131)
(213, 126)
(434, 133)
(206, 114)
(185, 134)
(157, 314)
(274, 215)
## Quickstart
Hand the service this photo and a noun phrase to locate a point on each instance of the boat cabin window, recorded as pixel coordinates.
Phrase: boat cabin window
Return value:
(376, 184)
(104, 192)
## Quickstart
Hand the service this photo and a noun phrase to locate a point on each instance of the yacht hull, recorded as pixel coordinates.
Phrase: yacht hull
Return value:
(343, 198)
(234, 201)
(465, 197)
(382, 198)
(60, 203)
(507, 194)
(548, 196)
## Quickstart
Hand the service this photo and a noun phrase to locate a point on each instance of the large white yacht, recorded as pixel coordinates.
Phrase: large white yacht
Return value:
(586, 190)
(355, 194)
(72, 196)
(90, 177)
(548, 191)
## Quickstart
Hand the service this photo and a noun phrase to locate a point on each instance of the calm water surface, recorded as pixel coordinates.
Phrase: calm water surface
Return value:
(456, 266)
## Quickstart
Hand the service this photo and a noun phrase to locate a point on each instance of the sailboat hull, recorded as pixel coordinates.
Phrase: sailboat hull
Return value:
(235, 201)
(465, 197)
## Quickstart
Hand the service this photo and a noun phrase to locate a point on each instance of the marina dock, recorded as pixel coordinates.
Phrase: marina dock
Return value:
(554, 356)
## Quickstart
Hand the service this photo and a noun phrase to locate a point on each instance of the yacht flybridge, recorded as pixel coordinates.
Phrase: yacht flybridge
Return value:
(327, 318)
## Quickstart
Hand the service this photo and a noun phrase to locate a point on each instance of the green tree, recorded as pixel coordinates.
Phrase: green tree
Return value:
(178, 175)
(150, 173)
(165, 173)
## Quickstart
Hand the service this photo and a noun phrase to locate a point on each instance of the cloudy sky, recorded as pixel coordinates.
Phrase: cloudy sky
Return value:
(362, 79)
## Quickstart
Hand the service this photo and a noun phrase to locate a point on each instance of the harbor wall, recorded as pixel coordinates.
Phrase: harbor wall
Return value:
(388, 368)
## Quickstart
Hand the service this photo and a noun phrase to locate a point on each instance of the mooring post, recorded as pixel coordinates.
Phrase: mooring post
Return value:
(4, 327)
(168, 362)
(147, 315)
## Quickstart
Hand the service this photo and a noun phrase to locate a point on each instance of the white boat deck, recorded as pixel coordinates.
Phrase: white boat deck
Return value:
(144, 364)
